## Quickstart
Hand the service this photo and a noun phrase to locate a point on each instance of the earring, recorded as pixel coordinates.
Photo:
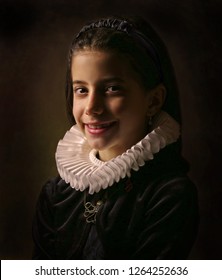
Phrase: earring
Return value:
(150, 121)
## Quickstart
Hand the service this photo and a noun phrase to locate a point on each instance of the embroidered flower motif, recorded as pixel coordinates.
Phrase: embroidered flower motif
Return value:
(78, 165)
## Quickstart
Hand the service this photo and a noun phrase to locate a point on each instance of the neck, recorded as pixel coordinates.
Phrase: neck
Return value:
(107, 155)
(117, 150)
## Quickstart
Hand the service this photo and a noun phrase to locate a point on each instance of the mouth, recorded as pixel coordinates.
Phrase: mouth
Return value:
(99, 128)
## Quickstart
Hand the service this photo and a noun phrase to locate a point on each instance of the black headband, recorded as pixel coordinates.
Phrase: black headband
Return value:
(125, 26)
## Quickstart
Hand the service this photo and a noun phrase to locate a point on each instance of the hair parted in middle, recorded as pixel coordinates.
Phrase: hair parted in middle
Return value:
(135, 39)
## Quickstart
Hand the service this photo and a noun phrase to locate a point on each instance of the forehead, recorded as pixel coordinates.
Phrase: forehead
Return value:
(98, 57)
(100, 63)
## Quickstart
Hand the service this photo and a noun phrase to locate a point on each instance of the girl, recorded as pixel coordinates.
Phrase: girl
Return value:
(122, 190)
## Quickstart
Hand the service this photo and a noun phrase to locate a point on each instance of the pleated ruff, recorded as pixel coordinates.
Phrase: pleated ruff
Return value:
(78, 165)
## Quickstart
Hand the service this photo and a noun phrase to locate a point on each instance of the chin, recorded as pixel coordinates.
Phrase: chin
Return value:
(97, 145)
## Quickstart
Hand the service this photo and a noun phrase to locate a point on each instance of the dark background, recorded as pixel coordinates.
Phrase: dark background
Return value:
(34, 41)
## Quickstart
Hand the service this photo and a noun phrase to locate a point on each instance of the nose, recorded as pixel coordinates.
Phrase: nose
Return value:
(95, 104)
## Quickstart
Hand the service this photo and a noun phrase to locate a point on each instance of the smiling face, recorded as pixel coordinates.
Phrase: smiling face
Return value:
(110, 105)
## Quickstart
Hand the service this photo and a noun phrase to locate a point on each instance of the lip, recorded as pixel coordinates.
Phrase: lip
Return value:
(96, 128)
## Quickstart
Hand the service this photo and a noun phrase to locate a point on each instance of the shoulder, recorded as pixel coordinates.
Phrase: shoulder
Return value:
(56, 190)
(166, 174)
(175, 186)
(169, 184)
(164, 183)
(174, 198)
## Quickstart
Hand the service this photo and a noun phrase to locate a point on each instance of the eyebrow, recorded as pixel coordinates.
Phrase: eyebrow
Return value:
(105, 80)
(78, 82)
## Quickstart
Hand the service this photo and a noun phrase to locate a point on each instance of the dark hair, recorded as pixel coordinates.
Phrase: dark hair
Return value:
(136, 39)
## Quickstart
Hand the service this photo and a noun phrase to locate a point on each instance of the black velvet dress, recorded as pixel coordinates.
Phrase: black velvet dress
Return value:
(151, 215)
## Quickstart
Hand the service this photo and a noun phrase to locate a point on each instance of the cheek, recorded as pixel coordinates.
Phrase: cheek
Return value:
(76, 110)
(128, 108)
(118, 106)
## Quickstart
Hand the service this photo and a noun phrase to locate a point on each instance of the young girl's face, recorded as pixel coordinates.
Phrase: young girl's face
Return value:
(110, 103)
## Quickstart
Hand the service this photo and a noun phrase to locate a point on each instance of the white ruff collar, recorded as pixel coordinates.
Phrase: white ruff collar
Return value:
(78, 165)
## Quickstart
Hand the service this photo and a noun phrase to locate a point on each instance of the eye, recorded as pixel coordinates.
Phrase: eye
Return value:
(80, 90)
(113, 89)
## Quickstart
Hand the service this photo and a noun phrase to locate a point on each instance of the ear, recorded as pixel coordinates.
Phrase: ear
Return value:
(156, 98)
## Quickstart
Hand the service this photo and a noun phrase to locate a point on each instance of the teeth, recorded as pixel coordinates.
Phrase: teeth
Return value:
(98, 126)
